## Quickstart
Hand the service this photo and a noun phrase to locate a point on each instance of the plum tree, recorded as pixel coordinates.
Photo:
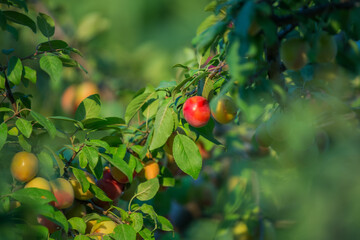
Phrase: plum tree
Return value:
(24, 166)
(63, 192)
(326, 48)
(293, 53)
(79, 194)
(224, 109)
(196, 111)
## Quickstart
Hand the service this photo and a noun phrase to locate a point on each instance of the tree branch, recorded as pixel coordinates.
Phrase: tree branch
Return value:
(9, 93)
(312, 12)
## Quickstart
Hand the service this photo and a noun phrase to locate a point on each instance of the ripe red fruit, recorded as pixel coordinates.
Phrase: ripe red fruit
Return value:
(112, 188)
(196, 111)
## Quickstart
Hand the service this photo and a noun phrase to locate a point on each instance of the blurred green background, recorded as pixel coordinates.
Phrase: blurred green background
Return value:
(126, 45)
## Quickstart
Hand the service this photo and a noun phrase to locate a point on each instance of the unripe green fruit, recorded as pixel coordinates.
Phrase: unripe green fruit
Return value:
(224, 110)
(293, 53)
(326, 48)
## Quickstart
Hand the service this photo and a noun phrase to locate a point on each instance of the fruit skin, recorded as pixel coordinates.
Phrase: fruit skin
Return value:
(89, 225)
(79, 194)
(293, 52)
(63, 192)
(224, 110)
(83, 91)
(40, 183)
(151, 170)
(105, 227)
(326, 48)
(119, 176)
(24, 166)
(51, 226)
(196, 111)
(76, 210)
(112, 188)
(67, 100)
(74, 95)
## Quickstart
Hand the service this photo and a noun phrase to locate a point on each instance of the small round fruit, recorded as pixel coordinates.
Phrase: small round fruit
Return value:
(51, 226)
(83, 91)
(326, 48)
(63, 192)
(79, 194)
(196, 111)
(112, 188)
(293, 53)
(103, 228)
(67, 100)
(151, 170)
(224, 110)
(40, 183)
(24, 166)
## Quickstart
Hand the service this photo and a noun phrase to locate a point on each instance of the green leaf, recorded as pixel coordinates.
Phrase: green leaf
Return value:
(5, 109)
(46, 165)
(149, 210)
(118, 161)
(13, 131)
(24, 126)
(14, 71)
(7, 51)
(46, 123)
(187, 155)
(88, 108)
(147, 190)
(99, 193)
(52, 45)
(33, 196)
(90, 155)
(78, 224)
(146, 234)
(51, 65)
(137, 221)
(81, 237)
(30, 74)
(24, 144)
(20, 18)
(136, 104)
(53, 215)
(163, 127)
(46, 25)
(3, 134)
(124, 232)
(164, 224)
(81, 177)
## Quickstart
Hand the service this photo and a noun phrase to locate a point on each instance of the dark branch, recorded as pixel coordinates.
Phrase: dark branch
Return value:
(9, 94)
(312, 12)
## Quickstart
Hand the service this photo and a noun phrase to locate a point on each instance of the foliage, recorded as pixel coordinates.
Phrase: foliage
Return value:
(309, 119)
